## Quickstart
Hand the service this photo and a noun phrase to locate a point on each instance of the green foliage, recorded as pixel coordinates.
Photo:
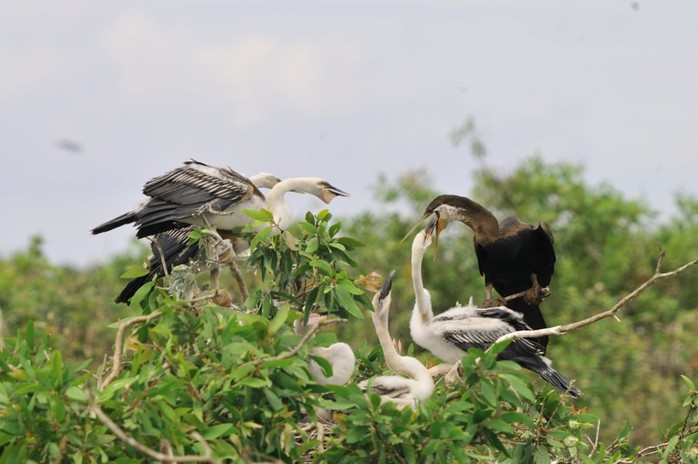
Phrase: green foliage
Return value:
(606, 246)
(307, 267)
(240, 380)
(73, 306)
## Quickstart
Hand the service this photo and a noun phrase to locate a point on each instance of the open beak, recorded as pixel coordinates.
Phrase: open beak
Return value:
(387, 286)
(330, 191)
(434, 228)
(414, 227)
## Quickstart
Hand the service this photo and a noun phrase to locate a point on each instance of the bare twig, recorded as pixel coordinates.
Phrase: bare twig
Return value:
(161, 254)
(237, 274)
(140, 447)
(595, 443)
(232, 262)
(119, 344)
(296, 349)
(565, 328)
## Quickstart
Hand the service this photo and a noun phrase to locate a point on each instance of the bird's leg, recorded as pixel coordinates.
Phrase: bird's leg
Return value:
(454, 374)
(440, 370)
(209, 209)
(237, 274)
(489, 302)
(536, 293)
(215, 273)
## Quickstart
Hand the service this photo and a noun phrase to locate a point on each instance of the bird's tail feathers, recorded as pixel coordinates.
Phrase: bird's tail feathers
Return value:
(558, 381)
(126, 218)
(131, 288)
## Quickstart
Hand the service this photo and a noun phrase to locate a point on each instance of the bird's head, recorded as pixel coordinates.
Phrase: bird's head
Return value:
(265, 180)
(327, 192)
(314, 319)
(318, 187)
(443, 209)
(381, 300)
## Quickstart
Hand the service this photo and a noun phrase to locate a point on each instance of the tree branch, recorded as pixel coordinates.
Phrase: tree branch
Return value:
(140, 447)
(119, 344)
(565, 328)
(306, 338)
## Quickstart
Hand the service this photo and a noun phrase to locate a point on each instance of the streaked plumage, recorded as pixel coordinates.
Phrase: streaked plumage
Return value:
(453, 332)
(172, 247)
(401, 391)
(195, 193)
(174, 239)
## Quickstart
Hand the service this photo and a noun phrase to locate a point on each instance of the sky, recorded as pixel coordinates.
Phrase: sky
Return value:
(98, 97)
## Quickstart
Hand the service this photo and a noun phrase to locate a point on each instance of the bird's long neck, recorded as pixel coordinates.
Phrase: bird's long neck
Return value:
(392, 357)
(423, 302)
(406, 365)
(474, 215)
(276, 200)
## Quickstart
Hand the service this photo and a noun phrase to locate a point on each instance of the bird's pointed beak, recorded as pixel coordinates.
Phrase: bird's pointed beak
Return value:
(387, 286)
(434, 228)
(414, 227)
(330, 191)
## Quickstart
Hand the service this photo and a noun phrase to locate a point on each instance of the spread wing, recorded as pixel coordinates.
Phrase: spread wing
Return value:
(189, 191)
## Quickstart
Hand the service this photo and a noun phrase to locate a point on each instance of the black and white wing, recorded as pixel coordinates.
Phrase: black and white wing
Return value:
(190, 191)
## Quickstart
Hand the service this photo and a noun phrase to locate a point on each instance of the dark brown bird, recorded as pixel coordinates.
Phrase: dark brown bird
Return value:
(513, 256)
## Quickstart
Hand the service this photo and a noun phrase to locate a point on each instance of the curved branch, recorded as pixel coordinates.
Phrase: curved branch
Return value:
(296, 349)
(565, 328)
(119, 344)
(140, 447)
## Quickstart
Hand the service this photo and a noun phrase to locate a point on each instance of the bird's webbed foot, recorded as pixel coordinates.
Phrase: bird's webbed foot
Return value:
(536, 294)
(493, 303)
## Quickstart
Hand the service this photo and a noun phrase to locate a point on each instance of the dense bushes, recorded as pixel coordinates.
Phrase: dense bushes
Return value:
(197, 378)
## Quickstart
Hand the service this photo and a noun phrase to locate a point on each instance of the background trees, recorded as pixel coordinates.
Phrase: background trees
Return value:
(197, 368)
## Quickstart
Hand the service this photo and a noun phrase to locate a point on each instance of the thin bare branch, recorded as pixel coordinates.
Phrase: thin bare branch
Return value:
(565, 328)
(119, 344)
(237, 274)
(161, 254)
(140, 447)
(296, 349)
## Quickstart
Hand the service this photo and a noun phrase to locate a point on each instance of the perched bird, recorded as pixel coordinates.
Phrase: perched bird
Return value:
(339, 355)
(418, 386)
(203, 195)
(453, 332)
(171, 248)
(195, 193)
(513, 256)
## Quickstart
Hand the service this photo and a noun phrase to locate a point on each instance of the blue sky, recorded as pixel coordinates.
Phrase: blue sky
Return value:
(342, 90)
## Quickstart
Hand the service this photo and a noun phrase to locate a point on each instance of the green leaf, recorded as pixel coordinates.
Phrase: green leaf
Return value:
(262, 215)
(133, 271)
(141, 294)
(76, 394)
(517, 418)
(29, 335)
(279, 319)
(347, 303)
(519, 386)
(689, 383)
(57, 368)
(216, 431)
(322, 266)
(324, 215)
(312, 246)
